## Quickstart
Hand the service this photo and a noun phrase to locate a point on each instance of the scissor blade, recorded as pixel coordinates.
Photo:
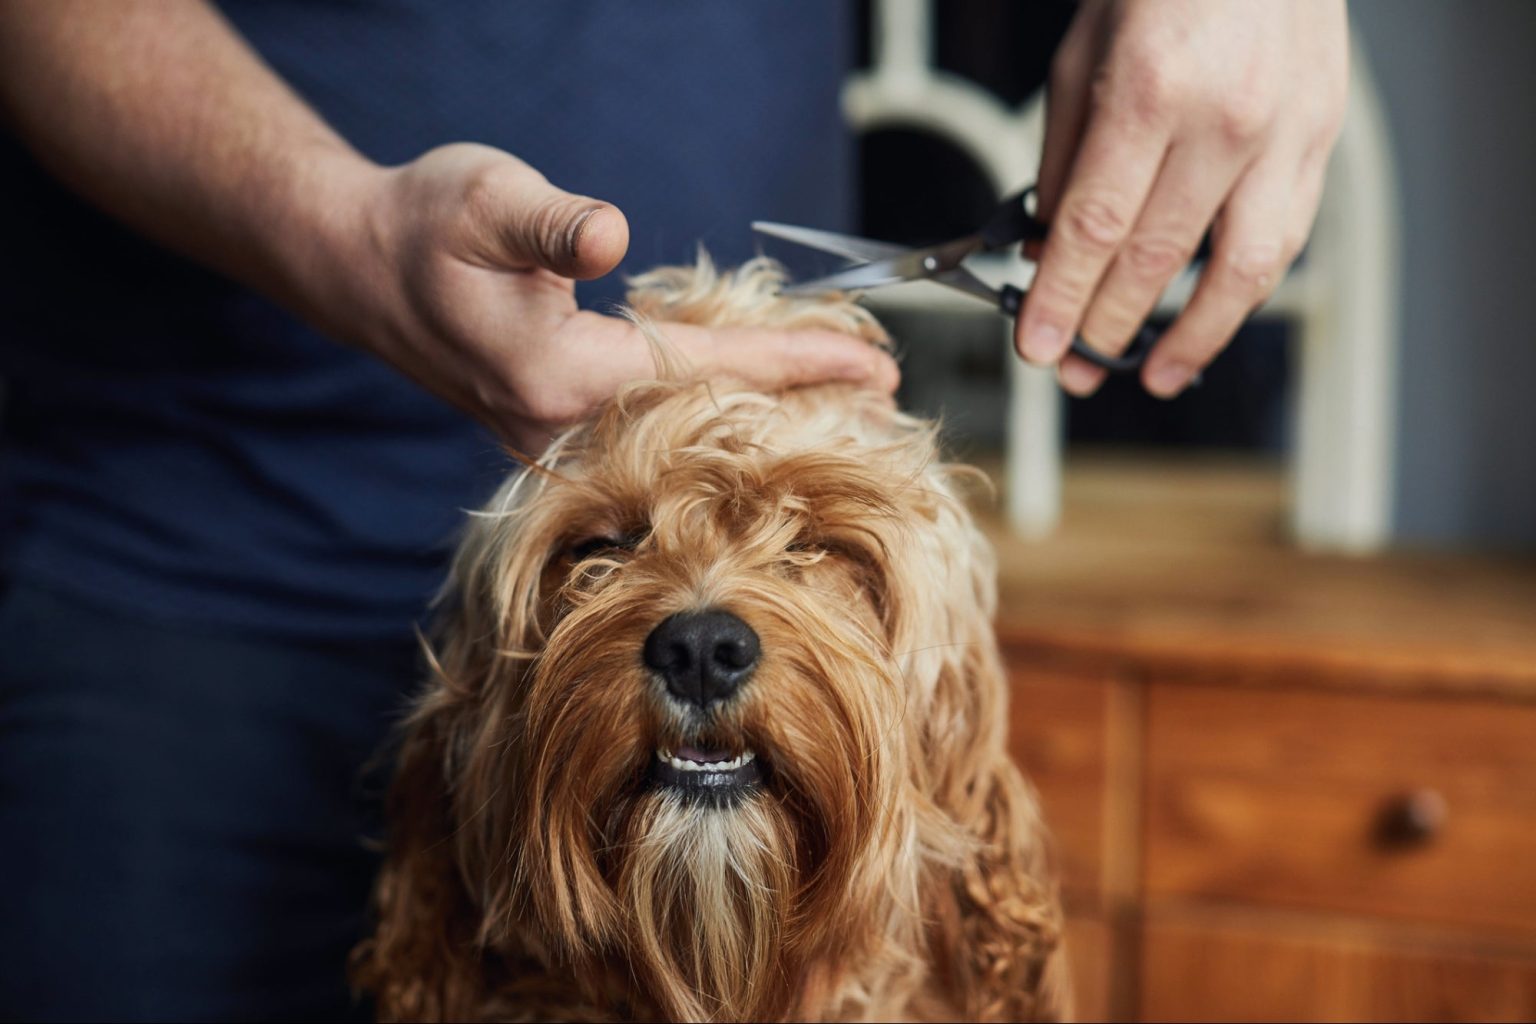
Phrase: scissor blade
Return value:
(861, 278)
(854, 279)
(911, 265)
(848, 246)
(963, 280)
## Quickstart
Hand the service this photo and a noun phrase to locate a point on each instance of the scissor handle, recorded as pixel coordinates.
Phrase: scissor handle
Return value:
(1012, 223)
(1011, 299)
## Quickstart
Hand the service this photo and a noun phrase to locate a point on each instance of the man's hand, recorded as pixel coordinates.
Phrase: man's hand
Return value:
(456, 268)
(461, 275)
(1165, 118)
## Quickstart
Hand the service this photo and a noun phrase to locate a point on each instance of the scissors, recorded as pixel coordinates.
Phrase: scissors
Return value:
(884, 263)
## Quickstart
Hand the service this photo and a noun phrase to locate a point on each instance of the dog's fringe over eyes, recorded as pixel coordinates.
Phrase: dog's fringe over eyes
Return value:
(840, 833)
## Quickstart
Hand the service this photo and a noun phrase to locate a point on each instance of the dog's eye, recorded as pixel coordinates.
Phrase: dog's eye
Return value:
(811, 550)
(804, 552)
(818, 547)
(592, 547)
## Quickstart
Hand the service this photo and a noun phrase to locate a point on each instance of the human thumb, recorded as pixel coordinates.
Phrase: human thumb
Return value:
(537, 224)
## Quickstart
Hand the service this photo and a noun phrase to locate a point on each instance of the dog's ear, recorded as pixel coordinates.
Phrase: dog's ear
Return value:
(425, 960)
(1004, 941)
(995, 915)
(998, 918)
(996, 926)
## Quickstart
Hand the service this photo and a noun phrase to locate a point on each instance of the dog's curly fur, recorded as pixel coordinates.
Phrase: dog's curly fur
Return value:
(891, 864)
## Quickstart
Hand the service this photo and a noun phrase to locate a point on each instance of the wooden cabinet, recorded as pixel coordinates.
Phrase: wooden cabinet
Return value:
(1060, 736)
(1199, 968)
(1090, 942)
(1422, 808)
(1282, 787)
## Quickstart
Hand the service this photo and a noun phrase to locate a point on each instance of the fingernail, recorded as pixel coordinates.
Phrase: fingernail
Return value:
(577, 229)
(1166, 380)
(1043, 342)
(1079, 378)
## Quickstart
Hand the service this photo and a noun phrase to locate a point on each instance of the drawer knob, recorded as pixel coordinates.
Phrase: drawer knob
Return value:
(1411, 819)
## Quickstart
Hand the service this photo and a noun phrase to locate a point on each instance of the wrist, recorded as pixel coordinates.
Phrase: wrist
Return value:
(325, 244)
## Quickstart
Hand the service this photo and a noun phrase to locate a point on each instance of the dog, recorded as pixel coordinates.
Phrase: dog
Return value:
(715, 728)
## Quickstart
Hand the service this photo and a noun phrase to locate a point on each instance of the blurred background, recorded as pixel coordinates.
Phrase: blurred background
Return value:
(1274, 642)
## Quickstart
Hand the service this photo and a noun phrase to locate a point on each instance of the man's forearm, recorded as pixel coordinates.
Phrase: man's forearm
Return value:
(157, 111)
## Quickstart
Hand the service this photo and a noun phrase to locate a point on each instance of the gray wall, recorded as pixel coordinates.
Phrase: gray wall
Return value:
(1459, 81)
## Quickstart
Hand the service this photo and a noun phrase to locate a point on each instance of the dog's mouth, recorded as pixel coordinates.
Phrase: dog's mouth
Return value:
(706, 772)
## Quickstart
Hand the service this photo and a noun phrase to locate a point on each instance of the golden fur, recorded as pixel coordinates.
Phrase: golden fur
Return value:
(891, 865)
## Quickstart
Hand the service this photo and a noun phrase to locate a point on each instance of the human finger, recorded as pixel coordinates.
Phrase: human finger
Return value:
(1306, 197)
(600, 354)
(1190, 189)
(521, 220)
(1105, 191)
(1078, 376)
(1066, 117)
(1247, 259)
(776, 360)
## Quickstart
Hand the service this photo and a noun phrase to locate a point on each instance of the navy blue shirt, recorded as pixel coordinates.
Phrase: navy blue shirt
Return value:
(174, 444)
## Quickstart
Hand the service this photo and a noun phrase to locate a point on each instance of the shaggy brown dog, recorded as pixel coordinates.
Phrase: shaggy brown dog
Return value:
(716, 727)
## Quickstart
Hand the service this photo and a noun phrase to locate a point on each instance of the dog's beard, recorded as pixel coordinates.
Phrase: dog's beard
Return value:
(709, 889)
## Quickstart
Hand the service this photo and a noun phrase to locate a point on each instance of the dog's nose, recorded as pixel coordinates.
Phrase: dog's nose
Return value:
(703, 656)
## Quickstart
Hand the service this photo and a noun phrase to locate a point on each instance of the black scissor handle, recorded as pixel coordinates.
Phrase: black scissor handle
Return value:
(1011, 300)
(1012, 223)
(1129, 361)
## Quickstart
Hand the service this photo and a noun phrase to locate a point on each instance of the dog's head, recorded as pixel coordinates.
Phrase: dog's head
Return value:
(716, 697)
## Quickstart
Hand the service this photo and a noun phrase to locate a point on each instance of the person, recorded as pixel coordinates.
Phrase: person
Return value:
(269, 327)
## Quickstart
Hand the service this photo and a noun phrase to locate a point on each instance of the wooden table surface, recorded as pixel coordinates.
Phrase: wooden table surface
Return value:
(1183, 564)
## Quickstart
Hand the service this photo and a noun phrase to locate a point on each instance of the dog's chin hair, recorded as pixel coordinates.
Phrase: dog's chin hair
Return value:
(707, 892)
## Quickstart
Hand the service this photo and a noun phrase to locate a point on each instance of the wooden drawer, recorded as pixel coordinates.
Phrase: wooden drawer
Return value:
(1058, 735)
(1090, 951)
(1205, 971)
(1280, 797)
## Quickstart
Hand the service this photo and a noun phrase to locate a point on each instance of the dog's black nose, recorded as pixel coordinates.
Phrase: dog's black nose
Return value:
(702, 656)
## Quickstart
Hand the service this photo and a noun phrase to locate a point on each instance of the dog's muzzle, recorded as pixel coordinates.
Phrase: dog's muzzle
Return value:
(703, 657)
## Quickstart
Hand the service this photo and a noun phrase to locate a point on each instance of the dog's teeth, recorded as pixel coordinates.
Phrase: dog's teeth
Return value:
(683, 764)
